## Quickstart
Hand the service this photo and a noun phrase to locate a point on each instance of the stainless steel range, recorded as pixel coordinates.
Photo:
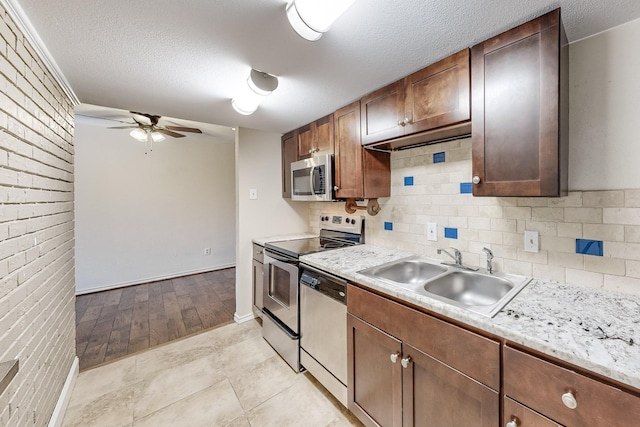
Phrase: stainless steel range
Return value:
(281, 320)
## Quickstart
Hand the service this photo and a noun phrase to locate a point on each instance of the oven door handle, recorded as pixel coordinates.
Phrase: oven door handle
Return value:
(280, 258)
(282, 326)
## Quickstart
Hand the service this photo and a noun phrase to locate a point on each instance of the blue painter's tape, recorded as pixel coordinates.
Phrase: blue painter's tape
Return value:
(408, 180)
(589, 247)
(451, 233)
(388, 226)
(466, 188)
(438, 157)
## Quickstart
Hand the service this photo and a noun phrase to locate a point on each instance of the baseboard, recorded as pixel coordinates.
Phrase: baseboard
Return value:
(150, 279)
(65, 396)
(243, 318)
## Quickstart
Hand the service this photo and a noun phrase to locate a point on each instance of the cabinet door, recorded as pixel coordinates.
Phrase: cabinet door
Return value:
(305, 141)
(323, 139)
(258, 280)
(289, 155)
(348, 159)
(436, 395)
(523, 416)
(383, 113)
(374, 381)
(518, 145)
(439, 95)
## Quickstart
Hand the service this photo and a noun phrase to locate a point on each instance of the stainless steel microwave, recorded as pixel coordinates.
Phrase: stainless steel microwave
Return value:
(312, 179)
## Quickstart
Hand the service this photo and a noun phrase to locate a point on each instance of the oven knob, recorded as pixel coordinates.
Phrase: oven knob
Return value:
(353, 221)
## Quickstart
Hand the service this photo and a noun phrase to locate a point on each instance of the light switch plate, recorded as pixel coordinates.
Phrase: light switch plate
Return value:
(531, 241)
(253, 193)
(432, 231)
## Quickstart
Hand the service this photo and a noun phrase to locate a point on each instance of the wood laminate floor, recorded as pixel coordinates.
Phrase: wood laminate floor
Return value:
(112, 324)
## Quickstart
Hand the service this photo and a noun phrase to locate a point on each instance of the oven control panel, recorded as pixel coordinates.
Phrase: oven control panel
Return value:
(348, 223)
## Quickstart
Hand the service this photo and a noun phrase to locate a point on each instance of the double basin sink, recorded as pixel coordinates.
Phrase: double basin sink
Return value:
(479, 292)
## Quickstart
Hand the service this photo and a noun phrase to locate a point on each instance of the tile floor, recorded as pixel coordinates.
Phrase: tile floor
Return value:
(227, 376)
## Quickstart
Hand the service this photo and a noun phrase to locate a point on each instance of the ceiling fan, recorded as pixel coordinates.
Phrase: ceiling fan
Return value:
(148, 124)
(146, 129)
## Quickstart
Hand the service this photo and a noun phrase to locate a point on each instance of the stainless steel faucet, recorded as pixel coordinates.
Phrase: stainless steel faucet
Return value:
(457, 258)
(489, 259)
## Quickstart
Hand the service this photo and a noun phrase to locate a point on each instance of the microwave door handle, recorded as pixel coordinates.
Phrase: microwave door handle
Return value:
(311, 176)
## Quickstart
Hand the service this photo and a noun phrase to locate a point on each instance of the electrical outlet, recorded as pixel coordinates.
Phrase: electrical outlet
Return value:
(531, 241)
(253, 193)
(207, 251)
(432, 231)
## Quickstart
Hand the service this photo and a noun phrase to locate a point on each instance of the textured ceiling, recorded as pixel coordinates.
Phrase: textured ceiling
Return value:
(188, 58)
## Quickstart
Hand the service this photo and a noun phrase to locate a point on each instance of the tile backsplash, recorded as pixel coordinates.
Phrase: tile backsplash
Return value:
(589, 238)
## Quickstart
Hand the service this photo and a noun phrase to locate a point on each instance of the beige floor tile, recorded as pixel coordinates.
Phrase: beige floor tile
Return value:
(214, 406)
(303, 404)
(198, 346)
(109, 378)
(237, 357)
(239, 422)
(174, 384)
(263, 381)
(109, 410)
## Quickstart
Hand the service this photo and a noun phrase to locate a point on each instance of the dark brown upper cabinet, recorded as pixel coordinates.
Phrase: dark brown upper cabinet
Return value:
(289, 155)
(359, 173)
(316, 138)
(520, 111)
(436, 97)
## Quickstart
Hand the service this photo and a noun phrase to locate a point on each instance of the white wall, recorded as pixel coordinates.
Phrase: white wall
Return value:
(144, 217)
(604, 145)
(258, 165)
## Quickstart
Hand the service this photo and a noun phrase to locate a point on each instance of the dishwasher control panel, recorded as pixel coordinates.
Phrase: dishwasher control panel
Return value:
(333, 288)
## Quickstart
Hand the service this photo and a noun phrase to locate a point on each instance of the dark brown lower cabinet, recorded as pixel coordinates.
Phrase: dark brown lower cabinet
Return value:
(436, 395)
(564, 395)
(394, 381)
(375, 383)
(521, 416)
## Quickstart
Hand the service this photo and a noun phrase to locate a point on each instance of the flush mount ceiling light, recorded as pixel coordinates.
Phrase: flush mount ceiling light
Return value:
(259, 85)
(311, 18)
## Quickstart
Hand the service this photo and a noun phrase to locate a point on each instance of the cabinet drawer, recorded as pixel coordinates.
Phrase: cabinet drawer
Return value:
(258, 253)
(457, 347)
(524, 417)
(540, 385)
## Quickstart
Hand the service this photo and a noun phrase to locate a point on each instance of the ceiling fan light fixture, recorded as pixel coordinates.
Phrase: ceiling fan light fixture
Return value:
(259, 85)
(139, 134)
(311, 18)
(157, 136)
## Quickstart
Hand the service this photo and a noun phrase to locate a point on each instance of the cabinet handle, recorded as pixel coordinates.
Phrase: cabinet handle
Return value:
(394, 357)
(336, 188)
(404, 122)
(476, 180)
(569, 400)
(405, 362)
(513, 423)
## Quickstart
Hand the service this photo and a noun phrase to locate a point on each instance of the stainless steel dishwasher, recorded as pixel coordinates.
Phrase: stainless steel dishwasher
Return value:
(323, 329)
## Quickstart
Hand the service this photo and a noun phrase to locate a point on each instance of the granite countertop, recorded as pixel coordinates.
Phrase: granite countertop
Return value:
(277, 238)
(596, 330)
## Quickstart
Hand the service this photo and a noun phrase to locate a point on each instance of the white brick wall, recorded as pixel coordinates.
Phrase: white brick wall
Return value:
(612, 216)
(37, 313)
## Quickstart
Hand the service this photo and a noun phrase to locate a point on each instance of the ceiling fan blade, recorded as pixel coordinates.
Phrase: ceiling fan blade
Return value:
(123, 127)
(183, 129)
(169, 133)
(104, 118)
